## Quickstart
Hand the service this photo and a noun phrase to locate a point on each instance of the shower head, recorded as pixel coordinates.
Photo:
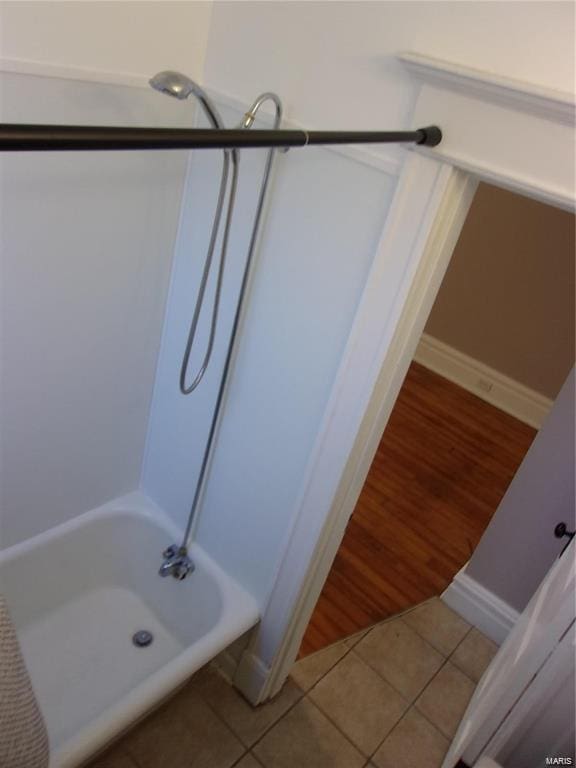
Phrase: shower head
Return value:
(173, 84)
(180, 86)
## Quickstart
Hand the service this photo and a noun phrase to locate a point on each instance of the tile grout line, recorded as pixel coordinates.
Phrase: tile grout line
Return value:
(470, 628)
(402, 716)
(239, 760)
(305, 694)
(446, 658)
(454, 651)
(429, 683)
(396, 617)
(338, 728)
(267, 729)
(259, 762)
(361, 660)
(405, 714)
(370, 627)
(381, 676)
(348, 651)
(412, 704)
(275, 722)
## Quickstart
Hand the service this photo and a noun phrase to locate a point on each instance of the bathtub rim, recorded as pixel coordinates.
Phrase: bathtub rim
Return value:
(239, 613)
(145, 697)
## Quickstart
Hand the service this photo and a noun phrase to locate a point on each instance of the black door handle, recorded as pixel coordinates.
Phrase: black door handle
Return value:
(560, 531)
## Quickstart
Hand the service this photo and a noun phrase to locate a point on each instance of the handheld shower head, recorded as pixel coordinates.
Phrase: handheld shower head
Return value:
(180, 86)
(173, 84)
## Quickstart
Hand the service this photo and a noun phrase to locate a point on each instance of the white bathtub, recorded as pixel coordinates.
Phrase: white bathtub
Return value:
(77, 594)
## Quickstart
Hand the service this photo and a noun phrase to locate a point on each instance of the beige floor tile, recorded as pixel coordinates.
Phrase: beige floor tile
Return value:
(401, 656)
(305, 738)
(446, 698)
(414, 743)
(438, 624)
(184, 733)
(114, 758)
(474, 654)
(310, 669)
(248, 723)
(359, 701)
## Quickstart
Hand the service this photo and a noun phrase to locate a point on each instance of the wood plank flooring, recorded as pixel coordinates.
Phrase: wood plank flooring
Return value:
(442, 467)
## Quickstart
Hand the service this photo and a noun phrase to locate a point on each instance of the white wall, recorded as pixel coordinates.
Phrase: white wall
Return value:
(134, 38)
(334, 66)
(334, 62)
(325, 216)
(87, 242)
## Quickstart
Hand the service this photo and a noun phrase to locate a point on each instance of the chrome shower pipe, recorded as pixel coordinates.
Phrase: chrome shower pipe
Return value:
(176, 561)
(246, 123)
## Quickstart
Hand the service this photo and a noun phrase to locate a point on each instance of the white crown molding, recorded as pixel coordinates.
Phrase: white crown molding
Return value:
(45, 69)
(507, 132)
(520, 95)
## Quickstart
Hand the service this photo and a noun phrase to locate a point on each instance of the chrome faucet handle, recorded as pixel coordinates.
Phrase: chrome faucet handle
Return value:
(170, 552)
(176, 563)
(182, 568)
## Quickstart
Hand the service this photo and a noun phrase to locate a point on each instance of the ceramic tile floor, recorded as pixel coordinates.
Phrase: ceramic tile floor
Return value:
(390, 697)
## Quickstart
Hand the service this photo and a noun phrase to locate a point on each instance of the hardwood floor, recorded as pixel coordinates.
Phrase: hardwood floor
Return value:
(441, 469)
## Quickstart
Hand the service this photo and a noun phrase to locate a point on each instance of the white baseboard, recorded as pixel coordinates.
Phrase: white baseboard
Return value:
(229, 659)
(480, 607)
(525, 404)
(227, 665)
(251, 677)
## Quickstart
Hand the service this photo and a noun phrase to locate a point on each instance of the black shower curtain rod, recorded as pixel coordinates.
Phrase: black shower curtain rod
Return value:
(34, 138)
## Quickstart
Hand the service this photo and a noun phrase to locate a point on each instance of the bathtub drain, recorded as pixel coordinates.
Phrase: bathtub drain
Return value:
(142, 638)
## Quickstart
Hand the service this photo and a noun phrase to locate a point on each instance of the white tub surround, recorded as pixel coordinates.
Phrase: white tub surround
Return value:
(80, 591)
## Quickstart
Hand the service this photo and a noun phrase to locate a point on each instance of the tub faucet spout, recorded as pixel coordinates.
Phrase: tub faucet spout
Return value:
(176, 563)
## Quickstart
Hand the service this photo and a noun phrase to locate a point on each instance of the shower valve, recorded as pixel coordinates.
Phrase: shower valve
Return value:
(176, 563)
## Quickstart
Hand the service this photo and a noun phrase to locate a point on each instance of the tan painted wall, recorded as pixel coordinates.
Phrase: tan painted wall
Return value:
(507, 299)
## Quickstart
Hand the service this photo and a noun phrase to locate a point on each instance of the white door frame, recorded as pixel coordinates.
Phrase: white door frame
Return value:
(512, 134)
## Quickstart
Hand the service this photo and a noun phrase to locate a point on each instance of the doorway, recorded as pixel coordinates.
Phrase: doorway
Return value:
(497, 347)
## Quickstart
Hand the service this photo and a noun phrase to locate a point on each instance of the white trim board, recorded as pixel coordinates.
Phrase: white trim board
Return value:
(480, 607)
(489, 86)
(67, 72)
(495, 388)
(370, 376)
(495, 138)
(517, 135)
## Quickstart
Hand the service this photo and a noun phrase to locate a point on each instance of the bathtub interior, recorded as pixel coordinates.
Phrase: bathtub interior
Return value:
(77, 596)
(113, 550)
